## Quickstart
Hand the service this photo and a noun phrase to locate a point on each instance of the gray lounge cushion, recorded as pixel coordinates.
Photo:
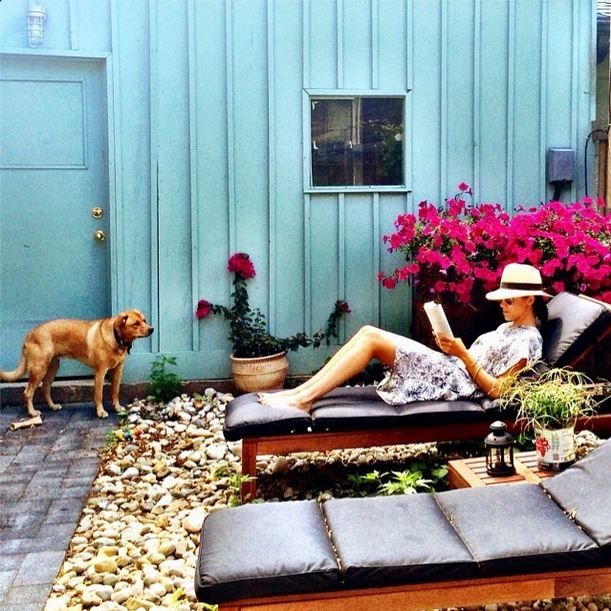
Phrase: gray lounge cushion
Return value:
(264, 549)
(396, 539)
(584, 492)
(574, 323)
(516, 529)
(343, 409)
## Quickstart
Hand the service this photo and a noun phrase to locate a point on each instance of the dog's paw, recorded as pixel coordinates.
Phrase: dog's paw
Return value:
(101, 413)
(33, 413)
(118, 408)
(55, 406)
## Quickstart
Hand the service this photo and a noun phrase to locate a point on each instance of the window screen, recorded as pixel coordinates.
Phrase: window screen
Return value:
(357, 141)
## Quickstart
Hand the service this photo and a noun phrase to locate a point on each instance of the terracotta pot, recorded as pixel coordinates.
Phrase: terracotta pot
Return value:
(555, 448)
(260, 372)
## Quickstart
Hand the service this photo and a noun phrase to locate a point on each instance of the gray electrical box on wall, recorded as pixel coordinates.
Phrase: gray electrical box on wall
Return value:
(560, 164)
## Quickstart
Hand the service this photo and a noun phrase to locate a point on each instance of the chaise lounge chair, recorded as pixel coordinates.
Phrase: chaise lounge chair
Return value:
(357, 417)
(461, 547)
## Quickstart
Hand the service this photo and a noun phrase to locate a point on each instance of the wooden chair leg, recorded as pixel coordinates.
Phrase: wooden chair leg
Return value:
(249, 469)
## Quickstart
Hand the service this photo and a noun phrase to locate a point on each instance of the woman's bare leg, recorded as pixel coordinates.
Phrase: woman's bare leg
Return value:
(368, 343)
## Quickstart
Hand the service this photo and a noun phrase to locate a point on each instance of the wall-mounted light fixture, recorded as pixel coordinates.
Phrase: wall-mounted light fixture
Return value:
(37, 15)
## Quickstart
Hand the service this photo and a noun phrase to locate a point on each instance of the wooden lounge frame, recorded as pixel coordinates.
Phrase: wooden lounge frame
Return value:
(333, 440)
(559, 584)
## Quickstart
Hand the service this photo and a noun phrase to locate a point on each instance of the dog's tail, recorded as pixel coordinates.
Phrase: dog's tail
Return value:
(13, 376)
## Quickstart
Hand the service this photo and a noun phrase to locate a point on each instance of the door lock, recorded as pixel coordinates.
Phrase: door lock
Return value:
(99, 235)
(97, 212)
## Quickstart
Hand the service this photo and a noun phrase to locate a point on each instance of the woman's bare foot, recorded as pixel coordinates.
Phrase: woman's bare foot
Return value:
(283, 399)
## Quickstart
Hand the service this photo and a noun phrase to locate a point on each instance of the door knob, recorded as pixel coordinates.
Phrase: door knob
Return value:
(97, 212)
(99, 235)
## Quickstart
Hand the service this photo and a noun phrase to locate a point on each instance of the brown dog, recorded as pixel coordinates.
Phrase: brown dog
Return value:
(100, 344)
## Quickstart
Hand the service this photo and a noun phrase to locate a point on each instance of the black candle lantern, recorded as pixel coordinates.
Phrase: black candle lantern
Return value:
(499, 450)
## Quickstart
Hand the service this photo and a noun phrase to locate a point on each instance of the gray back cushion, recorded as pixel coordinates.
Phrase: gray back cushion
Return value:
(584, 492)
(574, 323)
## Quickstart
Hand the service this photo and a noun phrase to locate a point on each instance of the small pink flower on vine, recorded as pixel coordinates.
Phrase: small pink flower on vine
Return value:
(203, 308)
(463, 187)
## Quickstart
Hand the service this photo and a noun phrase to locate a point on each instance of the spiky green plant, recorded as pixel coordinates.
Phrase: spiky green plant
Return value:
(551, 400)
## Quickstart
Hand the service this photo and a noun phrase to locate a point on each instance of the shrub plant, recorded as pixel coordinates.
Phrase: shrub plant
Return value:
(248, 330)
(460, 249)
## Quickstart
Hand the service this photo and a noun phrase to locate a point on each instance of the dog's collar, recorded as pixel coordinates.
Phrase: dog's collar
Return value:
(120, 341)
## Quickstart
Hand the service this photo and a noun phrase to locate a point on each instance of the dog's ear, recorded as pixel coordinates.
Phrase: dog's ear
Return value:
(124, 318)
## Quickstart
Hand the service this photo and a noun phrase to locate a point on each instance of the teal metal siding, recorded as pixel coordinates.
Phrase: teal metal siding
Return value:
(208, 129)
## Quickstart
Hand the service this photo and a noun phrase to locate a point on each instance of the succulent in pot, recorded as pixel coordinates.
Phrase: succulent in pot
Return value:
(550, 403)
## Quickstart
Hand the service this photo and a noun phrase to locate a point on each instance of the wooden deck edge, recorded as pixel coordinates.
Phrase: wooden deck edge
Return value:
(336, 440)
(439, 594)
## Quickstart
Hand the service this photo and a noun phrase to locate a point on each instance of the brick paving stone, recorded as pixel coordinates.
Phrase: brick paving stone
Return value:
(75, 492)
(25, 506)
(19, 525)
(5, 462)
(62, 511)
(39, 568)
(12, 492)
(6, 579)
(86, 468)
(8, 562)
(32, 593)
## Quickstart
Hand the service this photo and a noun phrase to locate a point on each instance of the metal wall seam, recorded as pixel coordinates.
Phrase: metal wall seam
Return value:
(271, 160)
(375, 215)
(443, 90)
(511, 60)
(231, 185)
(575, 43)
(408, 142)
(341, 254)
(74, 27)
(339, 4)
(477, 92)
(543, 103)
(193, 147)
(154, 162)
(375, 50)
(307, 203)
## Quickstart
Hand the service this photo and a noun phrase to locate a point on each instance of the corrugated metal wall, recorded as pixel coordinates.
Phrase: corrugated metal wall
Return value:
(209, 143)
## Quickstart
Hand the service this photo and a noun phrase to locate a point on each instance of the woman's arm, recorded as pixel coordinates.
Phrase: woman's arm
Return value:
(491, 385)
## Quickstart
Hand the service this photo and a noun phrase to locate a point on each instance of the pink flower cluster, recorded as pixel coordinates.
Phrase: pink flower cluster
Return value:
(241, 264)
(461, 249)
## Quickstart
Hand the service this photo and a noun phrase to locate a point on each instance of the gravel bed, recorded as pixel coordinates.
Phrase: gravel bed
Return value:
(164, 470)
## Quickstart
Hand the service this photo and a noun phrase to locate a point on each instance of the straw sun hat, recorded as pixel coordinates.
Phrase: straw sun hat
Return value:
(518, 280)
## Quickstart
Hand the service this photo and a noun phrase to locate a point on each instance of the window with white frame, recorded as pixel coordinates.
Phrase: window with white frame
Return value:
(357, 141)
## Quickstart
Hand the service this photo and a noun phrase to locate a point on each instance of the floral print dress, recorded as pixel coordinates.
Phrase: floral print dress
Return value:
(423, 374)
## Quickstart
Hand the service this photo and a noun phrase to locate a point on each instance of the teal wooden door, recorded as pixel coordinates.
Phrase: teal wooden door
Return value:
(53, 173)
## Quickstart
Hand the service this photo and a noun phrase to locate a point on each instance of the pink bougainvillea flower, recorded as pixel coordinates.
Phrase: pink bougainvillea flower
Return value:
(203, 308)
(389, 283)
(463, 187)
(241, 264)
(342, 306)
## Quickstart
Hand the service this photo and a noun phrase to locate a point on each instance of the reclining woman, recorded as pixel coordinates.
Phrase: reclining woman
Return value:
(419, 373)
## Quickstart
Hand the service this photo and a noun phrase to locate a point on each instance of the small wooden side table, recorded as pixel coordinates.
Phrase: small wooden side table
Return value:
(471, 472)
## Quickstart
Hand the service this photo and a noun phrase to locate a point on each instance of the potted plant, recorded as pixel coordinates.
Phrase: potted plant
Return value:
(457, 252)
(550, 404)
(258, 358)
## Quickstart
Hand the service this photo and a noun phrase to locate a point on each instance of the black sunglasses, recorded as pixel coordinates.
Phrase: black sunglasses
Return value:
(508, 301)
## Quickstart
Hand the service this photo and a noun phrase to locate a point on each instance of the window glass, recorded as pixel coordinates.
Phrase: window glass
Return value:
(357, 141)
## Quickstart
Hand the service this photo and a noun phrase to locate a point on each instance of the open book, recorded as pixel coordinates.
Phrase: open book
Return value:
(437, 318)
